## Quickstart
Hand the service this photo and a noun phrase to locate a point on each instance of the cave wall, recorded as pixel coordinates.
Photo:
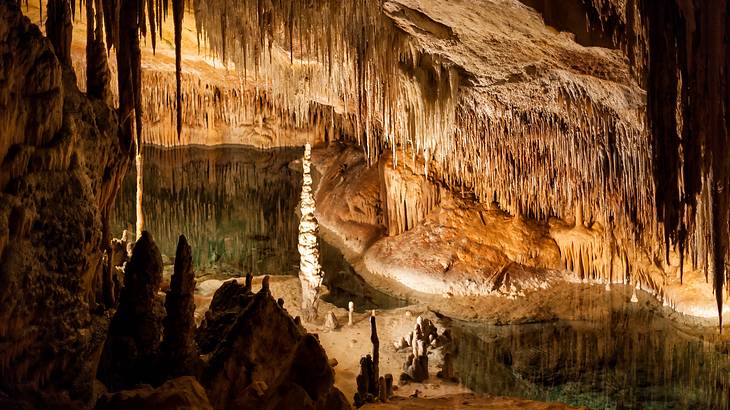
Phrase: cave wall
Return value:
(62, 166)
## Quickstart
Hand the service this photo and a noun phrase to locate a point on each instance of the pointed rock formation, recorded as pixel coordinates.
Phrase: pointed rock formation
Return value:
(130, 353)
(178, 352)
(262, 358)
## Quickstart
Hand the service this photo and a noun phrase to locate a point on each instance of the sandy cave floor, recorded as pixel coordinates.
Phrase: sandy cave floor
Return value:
(348, 343)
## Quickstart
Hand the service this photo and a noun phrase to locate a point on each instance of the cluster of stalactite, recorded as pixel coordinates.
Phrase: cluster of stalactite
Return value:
(644, 191)
(394, 94)
(211, 107)
(123, 23)
(399, 97)
(406, 196)
(683, 60)
(689, 105)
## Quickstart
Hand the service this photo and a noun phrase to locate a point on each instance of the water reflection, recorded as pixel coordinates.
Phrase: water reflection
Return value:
(632, 360)
(236, 206)
(345, 284)
(233, 204)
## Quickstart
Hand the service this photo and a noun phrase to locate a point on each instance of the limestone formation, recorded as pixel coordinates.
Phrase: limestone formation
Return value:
(130, 354)
(310, 271)
(60, 167)
(350, 310)
(368, 380)
(178, 352)
(229, 300)
(260, 358)
(424, 336)
(330, 321)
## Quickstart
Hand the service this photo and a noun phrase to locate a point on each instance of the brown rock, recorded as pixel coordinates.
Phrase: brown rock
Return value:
(181, 393)
(130, 352)
(60, 161)
(330, 321)
(261, 345)
(178, 352)
(228, 302)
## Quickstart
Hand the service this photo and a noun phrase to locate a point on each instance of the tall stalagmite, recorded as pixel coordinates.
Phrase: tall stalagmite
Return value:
(178, 352)
(310, 271)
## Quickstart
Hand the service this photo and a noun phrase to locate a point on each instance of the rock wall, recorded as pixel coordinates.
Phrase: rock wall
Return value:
(62, 165)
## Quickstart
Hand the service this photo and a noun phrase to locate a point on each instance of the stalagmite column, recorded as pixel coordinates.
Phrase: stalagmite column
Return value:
(376, 348)
(131, 349)
(310, 274)
(350, 310)
(178, 350)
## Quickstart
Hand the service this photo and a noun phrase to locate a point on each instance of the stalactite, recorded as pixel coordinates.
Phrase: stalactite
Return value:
(178, 10)
(97, 66)
(153, 23)
(59, 28)
(128, 34)
(687, 77)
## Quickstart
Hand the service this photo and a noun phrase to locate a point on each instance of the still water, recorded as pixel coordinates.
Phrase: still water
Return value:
(630, 358)
(237, 207)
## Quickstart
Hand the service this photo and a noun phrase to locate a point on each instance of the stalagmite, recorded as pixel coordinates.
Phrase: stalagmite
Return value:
(310, 274)
(130, 352)
(368, 381)
(330, 321)
(388, 386)
(376, 348)
(350, 310)
(178, 351)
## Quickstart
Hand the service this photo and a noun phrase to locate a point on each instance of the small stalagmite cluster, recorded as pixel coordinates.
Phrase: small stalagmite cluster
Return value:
(371, 386)
(310, 271)
(424, 336)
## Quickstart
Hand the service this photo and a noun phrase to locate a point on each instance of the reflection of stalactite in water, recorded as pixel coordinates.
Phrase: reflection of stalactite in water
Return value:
(310, 271)
(235, 206)
(627, 357)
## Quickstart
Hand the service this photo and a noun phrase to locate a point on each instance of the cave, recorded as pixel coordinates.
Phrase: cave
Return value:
(335, 204)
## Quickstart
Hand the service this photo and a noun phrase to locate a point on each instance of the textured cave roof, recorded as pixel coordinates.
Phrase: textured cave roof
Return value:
(511, 57)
